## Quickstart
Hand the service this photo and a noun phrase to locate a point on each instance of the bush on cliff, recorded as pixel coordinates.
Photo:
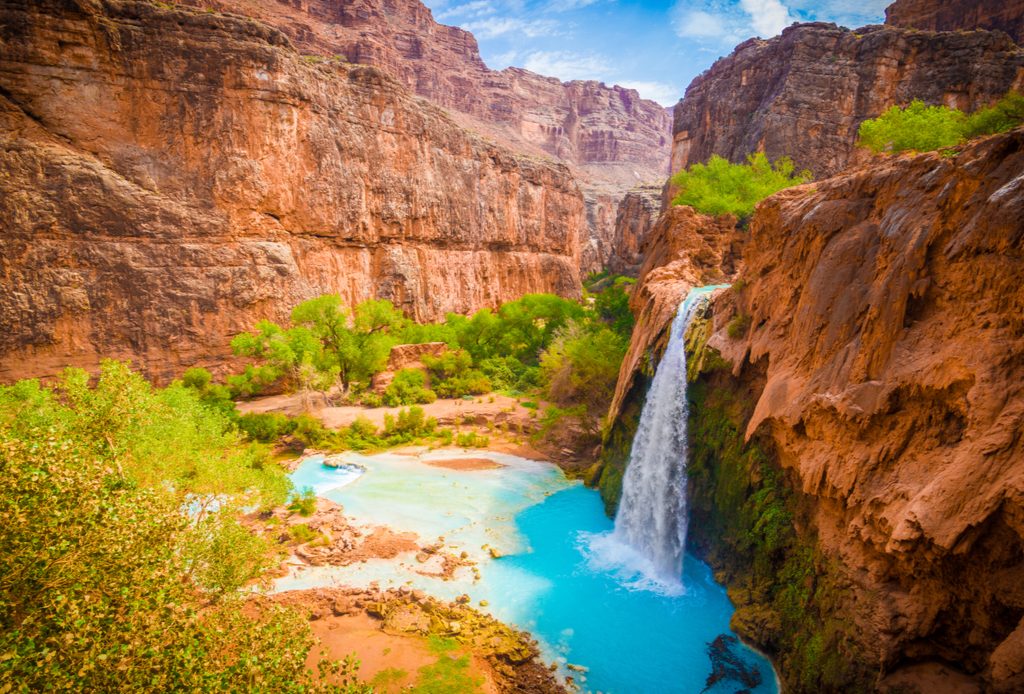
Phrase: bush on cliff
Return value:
(721, 187)
(918, 127)
(121, 558)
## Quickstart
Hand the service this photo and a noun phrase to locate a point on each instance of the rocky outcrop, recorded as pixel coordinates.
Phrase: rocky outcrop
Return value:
(634, 218)
(171, 176)
(804, 93)
(612, 138)
(884, 366)
(685, 249)
(932, 15)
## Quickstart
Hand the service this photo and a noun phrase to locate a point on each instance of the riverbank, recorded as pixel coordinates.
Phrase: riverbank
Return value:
(512, 425)
(405, 638)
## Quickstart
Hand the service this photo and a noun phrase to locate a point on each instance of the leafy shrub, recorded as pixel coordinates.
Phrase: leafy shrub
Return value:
(303, 503)
(302, 533)
(471, 439)
(582, 365)
(410, 423)
(119, 574)
(503, 372)
(720, 187)
(922, 128)
(371, 399)
(360, 435)
(1005, 115)
(408, 388)
(453, 376)
(917, 127)
(311, 431)
(266, 427)
(528, 404)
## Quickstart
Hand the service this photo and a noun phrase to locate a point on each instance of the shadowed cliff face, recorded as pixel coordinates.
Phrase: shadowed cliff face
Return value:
(886, 311)
(951, 15)
(169, 177)
(804, 94)
(610, 137)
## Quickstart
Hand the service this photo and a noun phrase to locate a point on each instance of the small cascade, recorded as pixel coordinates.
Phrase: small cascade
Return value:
(652, 515)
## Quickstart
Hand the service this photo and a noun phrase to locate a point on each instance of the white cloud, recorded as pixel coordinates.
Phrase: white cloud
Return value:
(767, 17)
(664, 94)
(492, 27)
(477, 8)
(849, 13)
(699, 24)
(502, 60)
(566, 65)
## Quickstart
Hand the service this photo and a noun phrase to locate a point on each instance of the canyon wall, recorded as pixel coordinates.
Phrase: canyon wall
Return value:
(637, 212)
(167, 177)
(868, 510)
(953, 15)
(612, 138)
(804, 93)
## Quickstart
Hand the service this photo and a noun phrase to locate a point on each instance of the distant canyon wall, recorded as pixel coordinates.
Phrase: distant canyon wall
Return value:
(803, 94)
(167, 177)
(610, 137)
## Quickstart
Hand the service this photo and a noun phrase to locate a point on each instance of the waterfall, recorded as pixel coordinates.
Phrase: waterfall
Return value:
(652, 515)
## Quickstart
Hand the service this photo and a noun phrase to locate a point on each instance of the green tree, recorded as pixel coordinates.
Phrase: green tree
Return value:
(720, 187)
(296, 355)
(916, 127)
(121, 557)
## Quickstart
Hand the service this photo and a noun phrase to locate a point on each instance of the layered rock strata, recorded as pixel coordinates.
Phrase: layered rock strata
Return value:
(171, 176)
(804, 93)
(637, 213)
(612, 138)
(873, 356)
(992, 15)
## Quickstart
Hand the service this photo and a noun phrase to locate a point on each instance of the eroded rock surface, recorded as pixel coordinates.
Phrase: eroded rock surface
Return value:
(638, 211)
(804, 93)
(886, 345)
(171, 176)
(951, 15)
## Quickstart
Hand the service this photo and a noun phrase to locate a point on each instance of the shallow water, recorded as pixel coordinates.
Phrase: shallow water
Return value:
(630, 636)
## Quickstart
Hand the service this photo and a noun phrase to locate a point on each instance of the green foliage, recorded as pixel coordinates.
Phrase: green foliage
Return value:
(738, 326)
(612, 306)
(410, 424)
(266, 427)
(720, 187)
(1004, 115)
(120, 553)
(452, 374)
(450, 674)
(303, 503)
(371, 399)
(470, 439)
(408, 388)
(301, 533)
(742, 519)
(582, 365)
(918, 127)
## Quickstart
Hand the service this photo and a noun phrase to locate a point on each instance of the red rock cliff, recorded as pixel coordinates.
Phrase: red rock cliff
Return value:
(804, 94)
(611, 137)
(886, 350)
(951, 15)
(170, 176)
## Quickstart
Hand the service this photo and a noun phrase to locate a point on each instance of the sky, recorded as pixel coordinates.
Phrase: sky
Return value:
(653, 46)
